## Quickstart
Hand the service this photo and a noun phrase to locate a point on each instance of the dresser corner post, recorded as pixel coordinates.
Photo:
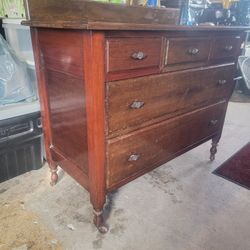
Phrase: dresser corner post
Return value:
(44, 103)
(213, 149)
(54, 175)
(93, 71)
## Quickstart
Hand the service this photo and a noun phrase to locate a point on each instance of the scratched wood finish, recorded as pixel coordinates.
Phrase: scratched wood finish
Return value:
(165, 139)
(83, 54)
(78, 13)
(164, 96)
(81, 14)
(187, 50)
(180, 52)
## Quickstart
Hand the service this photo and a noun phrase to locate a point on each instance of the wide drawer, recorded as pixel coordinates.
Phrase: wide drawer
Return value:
(127, 57)
(226, 48)
(157, 144)
(187, 50)
(135, 101)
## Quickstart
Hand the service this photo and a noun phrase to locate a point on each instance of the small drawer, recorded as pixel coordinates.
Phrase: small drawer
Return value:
(225, 47)
(127, 57)
(187, 50)
(151, 147)
(132, 103)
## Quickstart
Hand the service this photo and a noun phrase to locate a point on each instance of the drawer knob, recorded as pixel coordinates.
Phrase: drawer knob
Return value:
(134, 157)
(228, 48)
(139, 55)
(137, 105)
(193, 51)
(213, 122)
(222, 82)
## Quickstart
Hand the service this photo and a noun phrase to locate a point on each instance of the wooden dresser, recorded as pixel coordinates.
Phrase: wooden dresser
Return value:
(120, 99)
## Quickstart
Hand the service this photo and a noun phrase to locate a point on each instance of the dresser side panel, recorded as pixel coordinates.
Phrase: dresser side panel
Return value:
(62, 59)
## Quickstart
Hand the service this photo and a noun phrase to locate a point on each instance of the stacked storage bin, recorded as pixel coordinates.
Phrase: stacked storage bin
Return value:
(21, 147)
(20, 140)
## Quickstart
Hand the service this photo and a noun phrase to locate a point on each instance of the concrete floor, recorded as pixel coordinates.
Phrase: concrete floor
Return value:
(179, 206)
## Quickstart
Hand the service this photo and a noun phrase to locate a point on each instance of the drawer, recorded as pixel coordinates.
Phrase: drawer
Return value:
(127, 57)
(154, 145)
(187, 50)
(136, 101)
(226, 47)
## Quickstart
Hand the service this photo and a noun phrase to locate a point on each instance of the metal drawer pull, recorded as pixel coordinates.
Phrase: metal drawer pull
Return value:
(193, 51)
(137, 105)
(139, 55)
(228, 48)
(134, 157)
(213, 122)
(222, 82)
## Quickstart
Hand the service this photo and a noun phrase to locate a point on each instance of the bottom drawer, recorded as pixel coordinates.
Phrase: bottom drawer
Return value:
(154, 145)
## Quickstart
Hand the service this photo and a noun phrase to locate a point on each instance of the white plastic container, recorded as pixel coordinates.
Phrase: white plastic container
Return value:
(18, 37)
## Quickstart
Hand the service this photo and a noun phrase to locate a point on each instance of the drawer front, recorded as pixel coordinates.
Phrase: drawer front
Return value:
(187, 50)
(157, 144)
(133, 102)
(226, 47)
(126, 54)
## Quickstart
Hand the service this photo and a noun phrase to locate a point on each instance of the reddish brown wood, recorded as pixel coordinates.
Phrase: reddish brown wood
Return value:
(128, 55)
(165, 139)
(70, 167)
(65, 88)
(78, 14)
(96, 25)
(90, 129)
(225, 47)
(44, 104)
(128, 74)
(82, 14)
(95, 98)
(146, 170)
(62, 50)
(164, 96)
(68, 117)
(180, 32)
(187, 50)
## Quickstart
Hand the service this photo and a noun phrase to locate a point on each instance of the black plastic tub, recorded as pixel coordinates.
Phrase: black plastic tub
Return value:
(20, 145)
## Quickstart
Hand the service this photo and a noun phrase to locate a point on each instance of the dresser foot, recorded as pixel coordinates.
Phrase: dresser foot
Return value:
(99, 222)
(54, 175)
(213, 149)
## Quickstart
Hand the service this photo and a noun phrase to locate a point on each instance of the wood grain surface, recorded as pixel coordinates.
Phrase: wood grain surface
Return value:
(156, 144)
(164, 96)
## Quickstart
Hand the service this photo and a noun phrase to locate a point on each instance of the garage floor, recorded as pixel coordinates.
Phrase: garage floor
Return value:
(179, 206)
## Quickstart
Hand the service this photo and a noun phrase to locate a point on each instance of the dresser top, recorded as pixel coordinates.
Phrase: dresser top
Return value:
(90, 15)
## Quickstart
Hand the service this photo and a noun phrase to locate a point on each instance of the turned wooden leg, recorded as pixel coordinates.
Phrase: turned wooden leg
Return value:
(54, 175)
(213, 149)
(99, 221)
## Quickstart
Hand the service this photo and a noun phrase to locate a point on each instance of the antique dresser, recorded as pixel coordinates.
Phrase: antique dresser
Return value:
(123, 89)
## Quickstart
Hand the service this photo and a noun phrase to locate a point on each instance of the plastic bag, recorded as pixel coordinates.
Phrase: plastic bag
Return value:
(15, 83)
